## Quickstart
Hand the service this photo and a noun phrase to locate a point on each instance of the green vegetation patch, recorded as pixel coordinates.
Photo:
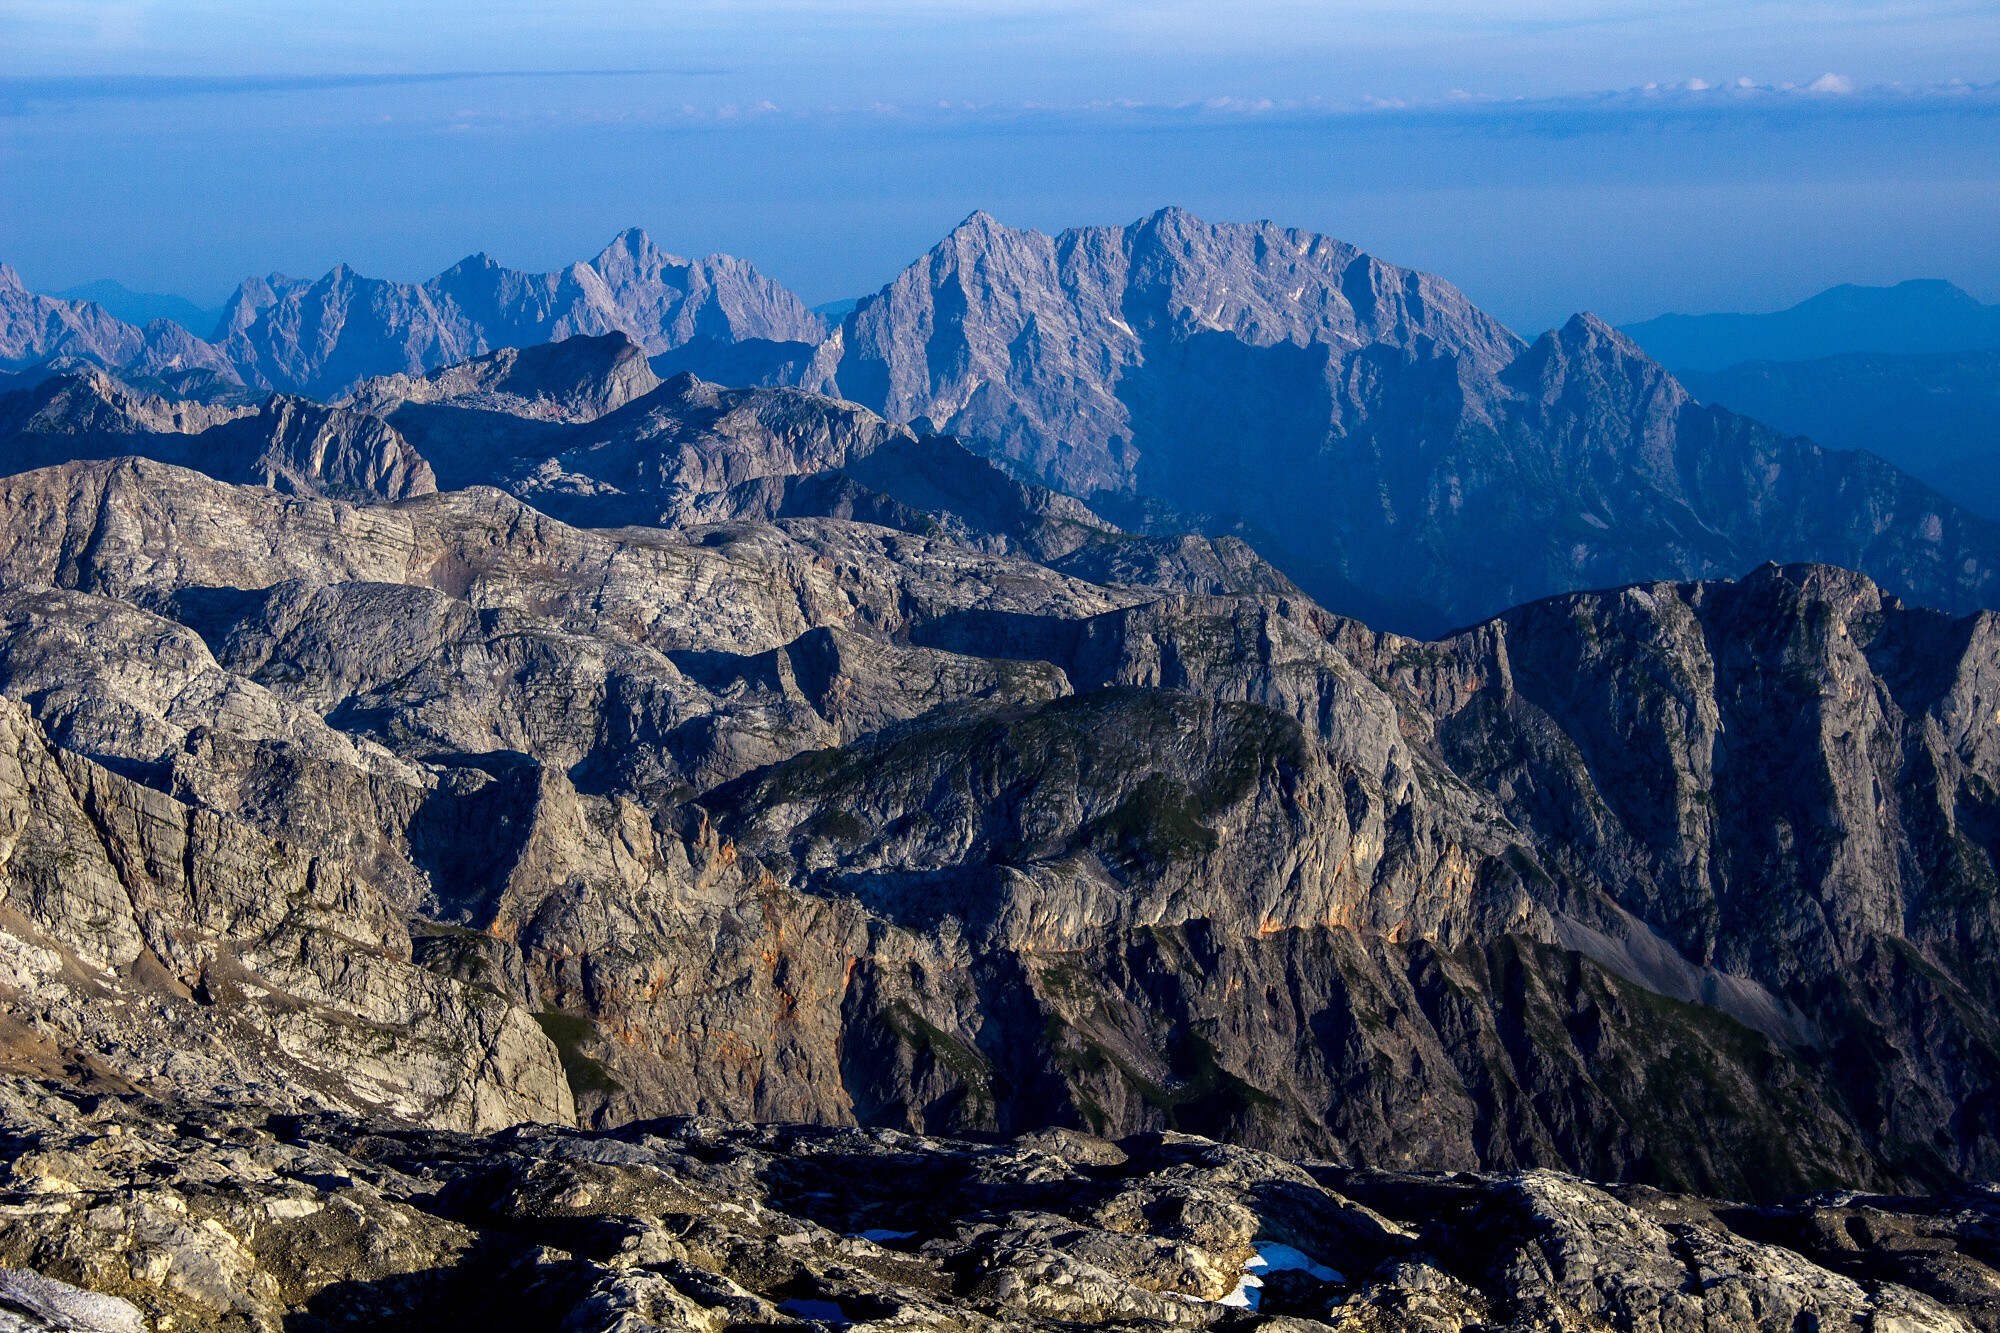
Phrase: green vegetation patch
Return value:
(570, 1033)
(1159, 821)
(919, 1033)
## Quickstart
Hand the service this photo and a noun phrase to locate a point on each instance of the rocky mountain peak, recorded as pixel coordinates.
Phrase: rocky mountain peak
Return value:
(1053, 352)
(632, 255)
(574, 380)
(1588, 354)
(978, 222)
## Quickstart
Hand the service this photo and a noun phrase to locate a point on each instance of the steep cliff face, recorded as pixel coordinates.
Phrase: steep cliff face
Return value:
(1788, 781)
(150, 938)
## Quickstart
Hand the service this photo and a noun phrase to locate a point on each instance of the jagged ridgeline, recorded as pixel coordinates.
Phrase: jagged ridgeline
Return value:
(558, 737)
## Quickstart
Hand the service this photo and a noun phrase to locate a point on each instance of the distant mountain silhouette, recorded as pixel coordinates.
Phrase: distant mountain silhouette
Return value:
(1935, 416)
(1923, 315)
(322, 337)
(144, 307)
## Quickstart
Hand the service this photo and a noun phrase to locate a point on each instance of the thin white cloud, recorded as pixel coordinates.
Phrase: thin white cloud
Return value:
(918, 52)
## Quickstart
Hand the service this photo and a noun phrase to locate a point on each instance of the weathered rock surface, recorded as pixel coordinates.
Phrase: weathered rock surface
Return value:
(289, 444)
(212, 1217)
(814, 819)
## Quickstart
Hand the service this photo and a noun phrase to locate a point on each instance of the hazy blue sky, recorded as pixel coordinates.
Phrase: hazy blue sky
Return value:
(1628, 158)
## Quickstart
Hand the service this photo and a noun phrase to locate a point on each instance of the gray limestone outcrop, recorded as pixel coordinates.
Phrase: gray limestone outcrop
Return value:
(200, 1218)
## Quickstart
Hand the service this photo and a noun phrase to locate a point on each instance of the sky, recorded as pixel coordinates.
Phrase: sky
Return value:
(1620, 157)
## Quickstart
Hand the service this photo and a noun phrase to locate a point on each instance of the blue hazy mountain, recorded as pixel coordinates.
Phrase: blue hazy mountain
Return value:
(1925, 315)
(1936, 416)
(143, 308)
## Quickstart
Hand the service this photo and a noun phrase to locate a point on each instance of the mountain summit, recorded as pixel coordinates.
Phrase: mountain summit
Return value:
(1394, 449)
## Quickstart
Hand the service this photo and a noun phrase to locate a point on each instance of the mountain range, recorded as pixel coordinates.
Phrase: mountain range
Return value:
(436, 817)
(322, 337)
(1399, 454)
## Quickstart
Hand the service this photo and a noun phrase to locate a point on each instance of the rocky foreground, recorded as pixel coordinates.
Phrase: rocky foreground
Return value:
(210, 1218)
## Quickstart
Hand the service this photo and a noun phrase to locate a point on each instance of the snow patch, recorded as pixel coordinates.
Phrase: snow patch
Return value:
(1273, 1257)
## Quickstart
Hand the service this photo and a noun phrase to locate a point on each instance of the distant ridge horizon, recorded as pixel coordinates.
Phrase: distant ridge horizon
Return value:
(1246, 379)
(1697, 340)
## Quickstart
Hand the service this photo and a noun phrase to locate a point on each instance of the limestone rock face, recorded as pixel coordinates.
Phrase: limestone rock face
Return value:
(187, 950)
(815, 819)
